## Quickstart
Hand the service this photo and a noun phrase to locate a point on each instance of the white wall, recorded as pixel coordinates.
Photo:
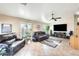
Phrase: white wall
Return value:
(69, 21)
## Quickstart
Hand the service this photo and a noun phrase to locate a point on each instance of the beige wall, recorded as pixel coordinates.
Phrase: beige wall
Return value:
(16, 22)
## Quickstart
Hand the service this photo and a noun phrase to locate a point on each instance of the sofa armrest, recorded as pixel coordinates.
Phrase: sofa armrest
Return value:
(18, 39)
(19, 44)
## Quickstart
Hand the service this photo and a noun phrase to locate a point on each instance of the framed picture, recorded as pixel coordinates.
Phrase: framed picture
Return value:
(6, 28)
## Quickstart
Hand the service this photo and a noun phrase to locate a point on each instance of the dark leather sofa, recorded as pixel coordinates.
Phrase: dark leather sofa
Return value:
(39, 36)
(13, 43)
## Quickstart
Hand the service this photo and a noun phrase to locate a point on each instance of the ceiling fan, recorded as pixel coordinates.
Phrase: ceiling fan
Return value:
(53, 18)
(23, 4)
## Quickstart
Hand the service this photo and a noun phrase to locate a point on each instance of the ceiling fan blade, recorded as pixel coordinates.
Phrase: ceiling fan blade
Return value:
(58, 18)
(55, 19)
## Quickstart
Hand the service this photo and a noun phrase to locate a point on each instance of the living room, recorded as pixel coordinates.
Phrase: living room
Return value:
(38, 29)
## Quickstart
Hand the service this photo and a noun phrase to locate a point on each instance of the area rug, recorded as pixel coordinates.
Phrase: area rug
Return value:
(52, 42)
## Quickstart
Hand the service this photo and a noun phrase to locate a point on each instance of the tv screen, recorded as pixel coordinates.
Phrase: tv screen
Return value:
(60, 27)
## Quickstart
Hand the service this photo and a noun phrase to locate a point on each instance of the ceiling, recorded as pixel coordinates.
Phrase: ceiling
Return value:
(39, 11)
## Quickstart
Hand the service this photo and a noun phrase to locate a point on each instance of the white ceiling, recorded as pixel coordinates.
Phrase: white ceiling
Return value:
(39, 11)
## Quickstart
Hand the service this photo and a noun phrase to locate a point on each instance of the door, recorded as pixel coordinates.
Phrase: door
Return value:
(74, 40)
(26, 30)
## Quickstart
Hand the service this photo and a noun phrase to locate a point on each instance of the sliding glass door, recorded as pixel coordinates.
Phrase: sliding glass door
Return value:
(26, 30)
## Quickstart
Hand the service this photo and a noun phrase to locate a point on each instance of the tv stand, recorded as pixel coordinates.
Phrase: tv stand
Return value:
(60, 34)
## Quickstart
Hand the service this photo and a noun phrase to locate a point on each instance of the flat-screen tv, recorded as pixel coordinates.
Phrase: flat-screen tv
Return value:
(60, 27)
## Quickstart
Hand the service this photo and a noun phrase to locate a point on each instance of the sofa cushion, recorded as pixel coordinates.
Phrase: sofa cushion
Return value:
(16, 43)
(10, 41)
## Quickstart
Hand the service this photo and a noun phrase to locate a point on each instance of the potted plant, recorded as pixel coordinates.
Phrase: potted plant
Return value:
(47, 29)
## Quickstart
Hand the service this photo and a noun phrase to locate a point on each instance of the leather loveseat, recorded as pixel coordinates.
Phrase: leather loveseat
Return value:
(40, 36)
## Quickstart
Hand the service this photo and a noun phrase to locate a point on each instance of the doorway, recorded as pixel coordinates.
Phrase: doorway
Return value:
(26, 31)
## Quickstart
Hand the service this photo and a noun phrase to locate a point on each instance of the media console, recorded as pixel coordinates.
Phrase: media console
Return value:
(60, 35)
